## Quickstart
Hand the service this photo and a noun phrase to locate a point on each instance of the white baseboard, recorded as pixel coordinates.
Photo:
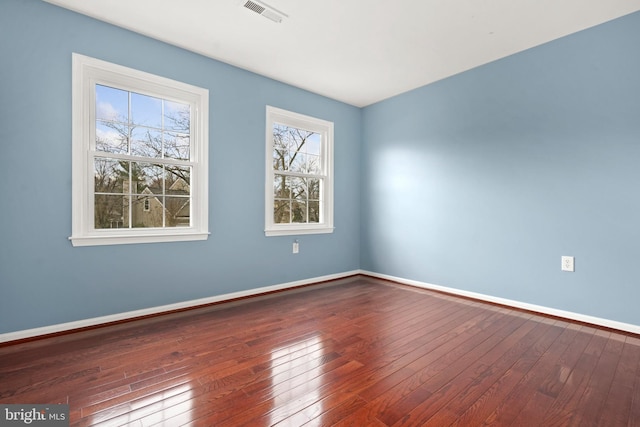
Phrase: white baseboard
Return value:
(95, 321)
(627, 327)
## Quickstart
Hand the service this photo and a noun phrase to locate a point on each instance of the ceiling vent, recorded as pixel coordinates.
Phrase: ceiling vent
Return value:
(265, 10)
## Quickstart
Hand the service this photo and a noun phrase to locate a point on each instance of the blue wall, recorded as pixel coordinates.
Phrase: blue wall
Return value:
(46, 281)
(482, 181)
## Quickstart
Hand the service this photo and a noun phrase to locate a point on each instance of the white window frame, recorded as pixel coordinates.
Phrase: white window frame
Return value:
(325, 129)
(87, 72)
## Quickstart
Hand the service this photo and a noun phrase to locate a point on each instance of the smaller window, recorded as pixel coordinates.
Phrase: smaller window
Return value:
(299, 179)
(147, 205)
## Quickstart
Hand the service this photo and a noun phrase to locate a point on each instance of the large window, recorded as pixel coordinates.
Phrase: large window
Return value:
(299, 182)
(139, 156)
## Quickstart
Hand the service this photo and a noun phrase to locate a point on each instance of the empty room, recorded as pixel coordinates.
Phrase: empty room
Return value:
(248, 213)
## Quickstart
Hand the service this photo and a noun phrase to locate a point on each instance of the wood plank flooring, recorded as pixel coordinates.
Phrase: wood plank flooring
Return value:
(354, 352)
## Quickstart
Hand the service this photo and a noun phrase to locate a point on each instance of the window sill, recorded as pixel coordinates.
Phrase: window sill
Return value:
(124, 239)
(292, 231)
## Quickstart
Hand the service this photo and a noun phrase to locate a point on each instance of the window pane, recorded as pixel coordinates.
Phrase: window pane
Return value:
(281, 211)
(110, 176)
(110, 211)
(314, 211)
(280, 148)
(144, 218)
(293, 143)
(146, 142)
(313, 144)
(313, 164)
(112, 137)
(298, 211)
(280, 159)
(177, 146)
(178, 180)
(313, 187)
(298, 188)
(146, 110)
(177, 211)
(281, 187)
(297, 163)
(112, 104)
(147, 178)
(177, 116)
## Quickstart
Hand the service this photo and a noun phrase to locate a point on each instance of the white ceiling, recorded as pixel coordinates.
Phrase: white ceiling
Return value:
(356, 51)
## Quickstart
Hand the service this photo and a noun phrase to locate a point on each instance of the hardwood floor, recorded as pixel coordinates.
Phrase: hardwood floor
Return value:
(355, 352)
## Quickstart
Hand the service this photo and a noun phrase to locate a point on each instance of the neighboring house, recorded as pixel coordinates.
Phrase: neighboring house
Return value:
(148, 207)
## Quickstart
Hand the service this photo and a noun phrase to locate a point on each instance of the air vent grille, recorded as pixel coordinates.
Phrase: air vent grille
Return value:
(265, 10)
(254, 7)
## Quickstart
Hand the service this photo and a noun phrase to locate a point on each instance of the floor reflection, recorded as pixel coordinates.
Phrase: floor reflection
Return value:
(165, 407)
(296, 377)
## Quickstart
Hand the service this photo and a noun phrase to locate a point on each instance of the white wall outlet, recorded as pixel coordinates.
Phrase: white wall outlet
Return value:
(296, 247)
(567, 263)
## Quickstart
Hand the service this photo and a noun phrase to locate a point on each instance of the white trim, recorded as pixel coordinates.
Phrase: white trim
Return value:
(627, 327)
(279, 230)
(325, 129)
(86, 73)
(123, 239)
(95, 321)
(62, 327)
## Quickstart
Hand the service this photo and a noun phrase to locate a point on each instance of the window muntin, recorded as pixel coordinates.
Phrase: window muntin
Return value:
(140, 144)
(299, 197)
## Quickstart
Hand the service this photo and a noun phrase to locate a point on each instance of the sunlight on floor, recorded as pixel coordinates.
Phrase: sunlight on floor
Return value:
(296, 377)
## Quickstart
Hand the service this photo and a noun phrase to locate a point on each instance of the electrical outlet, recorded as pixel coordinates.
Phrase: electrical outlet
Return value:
(296, 247)
(567, 263)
